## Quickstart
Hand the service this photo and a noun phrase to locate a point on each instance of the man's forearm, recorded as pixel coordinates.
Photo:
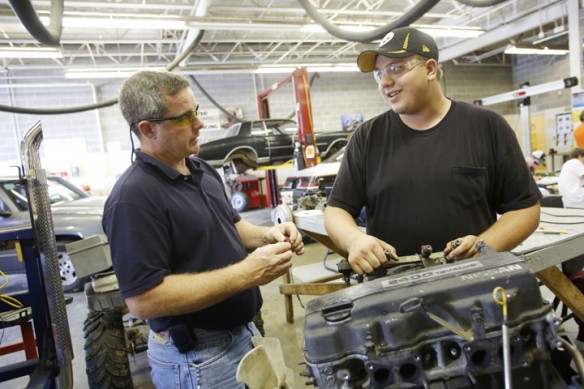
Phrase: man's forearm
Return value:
(251, 235)
(512, 228)
(341, 228)
(179, 294)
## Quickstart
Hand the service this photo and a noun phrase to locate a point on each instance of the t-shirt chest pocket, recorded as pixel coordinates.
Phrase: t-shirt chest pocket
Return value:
(467, 184)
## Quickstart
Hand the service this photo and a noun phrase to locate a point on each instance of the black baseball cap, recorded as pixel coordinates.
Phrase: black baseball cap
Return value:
(399, 43)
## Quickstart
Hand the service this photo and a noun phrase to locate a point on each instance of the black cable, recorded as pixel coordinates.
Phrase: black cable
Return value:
(107, 103)
(416, 12)
(554, 215)
(212, 100)
(314, 76)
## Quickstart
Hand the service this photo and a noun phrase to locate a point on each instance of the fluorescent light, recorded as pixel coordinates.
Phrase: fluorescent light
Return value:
(104, 72)
(312, 28)
(452, 32)
(29, 52)
(158, 22)
(314, 67)
(435, 31)
(549, 37)
(533, 51)
(530, 91)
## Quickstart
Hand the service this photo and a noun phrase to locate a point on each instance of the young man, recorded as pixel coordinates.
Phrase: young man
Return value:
(179, 250)
(430, 170)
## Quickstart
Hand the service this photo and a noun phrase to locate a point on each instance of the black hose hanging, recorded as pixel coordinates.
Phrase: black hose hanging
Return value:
(107, 103)
(48, 111)
(212, 100)
(406, 19)
(30, 20)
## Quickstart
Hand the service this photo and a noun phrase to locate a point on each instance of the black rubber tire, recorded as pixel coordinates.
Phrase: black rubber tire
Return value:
(106, 357)
(243, 163)
(239, 201)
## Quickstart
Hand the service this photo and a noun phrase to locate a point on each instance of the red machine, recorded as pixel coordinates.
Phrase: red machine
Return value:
(247, 193)
(301, 85)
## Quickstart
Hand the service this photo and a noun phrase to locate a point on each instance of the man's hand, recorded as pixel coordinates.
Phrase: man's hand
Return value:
(286, 232)
(461, 248)
(367, 253)
(269, 262)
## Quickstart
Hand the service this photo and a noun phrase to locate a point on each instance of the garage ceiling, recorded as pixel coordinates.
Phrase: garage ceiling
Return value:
(244, 35)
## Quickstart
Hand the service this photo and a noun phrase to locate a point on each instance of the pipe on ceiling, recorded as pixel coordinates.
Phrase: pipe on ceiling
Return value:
(30, 20)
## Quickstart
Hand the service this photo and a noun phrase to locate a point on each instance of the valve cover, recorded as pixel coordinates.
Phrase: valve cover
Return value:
(436, 327)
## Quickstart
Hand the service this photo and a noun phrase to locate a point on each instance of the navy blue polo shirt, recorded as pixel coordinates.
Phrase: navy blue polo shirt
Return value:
(160, 222)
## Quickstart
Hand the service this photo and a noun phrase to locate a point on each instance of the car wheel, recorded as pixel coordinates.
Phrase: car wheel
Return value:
(239, 201)
(71, 283)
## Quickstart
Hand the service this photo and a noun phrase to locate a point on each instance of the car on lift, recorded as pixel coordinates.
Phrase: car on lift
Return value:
(249, 144)
(76, 215)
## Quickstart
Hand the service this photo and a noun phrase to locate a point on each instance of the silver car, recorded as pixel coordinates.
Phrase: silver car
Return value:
(76, 215)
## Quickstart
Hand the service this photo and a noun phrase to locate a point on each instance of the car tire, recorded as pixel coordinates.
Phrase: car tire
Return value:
(239, 201)
(106, 358)
(71, 283)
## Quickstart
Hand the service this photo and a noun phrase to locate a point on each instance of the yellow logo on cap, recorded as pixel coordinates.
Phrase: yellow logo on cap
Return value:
(425, 49)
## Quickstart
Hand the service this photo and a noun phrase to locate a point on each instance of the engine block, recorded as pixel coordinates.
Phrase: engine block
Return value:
(436, 327)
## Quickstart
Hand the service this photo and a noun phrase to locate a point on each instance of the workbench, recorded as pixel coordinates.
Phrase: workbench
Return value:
(559, 238)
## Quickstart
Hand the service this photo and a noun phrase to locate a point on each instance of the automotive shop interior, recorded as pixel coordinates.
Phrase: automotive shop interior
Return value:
(283, 194)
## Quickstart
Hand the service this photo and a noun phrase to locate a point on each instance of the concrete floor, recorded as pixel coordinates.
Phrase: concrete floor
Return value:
(290, 335)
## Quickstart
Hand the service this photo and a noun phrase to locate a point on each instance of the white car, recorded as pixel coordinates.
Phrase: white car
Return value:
(76, 215)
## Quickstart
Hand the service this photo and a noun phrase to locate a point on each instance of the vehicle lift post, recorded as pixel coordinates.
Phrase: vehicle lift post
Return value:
(301, 84)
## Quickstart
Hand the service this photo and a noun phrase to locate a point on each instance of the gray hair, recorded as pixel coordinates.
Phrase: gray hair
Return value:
(142, 95)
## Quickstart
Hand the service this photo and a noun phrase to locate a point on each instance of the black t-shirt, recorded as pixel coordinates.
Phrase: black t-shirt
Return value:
(429, 187)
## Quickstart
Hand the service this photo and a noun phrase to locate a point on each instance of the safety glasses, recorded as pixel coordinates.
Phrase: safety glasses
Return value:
(395, 70)
(184, 119)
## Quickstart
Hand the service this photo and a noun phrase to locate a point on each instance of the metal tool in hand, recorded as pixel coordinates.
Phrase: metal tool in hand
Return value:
(500, 297)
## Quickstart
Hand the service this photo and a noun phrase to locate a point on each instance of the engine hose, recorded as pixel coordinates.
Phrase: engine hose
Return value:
(416, 12)
(30, 20)
(212, 100)
(107, 103)
(578, 358)
(481, 3)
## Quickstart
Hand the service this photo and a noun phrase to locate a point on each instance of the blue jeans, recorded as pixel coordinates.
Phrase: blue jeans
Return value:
(211, 364)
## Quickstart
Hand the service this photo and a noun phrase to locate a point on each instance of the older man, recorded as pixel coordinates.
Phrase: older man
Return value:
(179, 250)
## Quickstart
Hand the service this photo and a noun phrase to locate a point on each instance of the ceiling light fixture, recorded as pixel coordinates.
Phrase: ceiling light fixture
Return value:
(451, 31)
(312, 68)
(436, 31)
(549, 37)
(29, 52)
(154, 23)
(533, 51)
